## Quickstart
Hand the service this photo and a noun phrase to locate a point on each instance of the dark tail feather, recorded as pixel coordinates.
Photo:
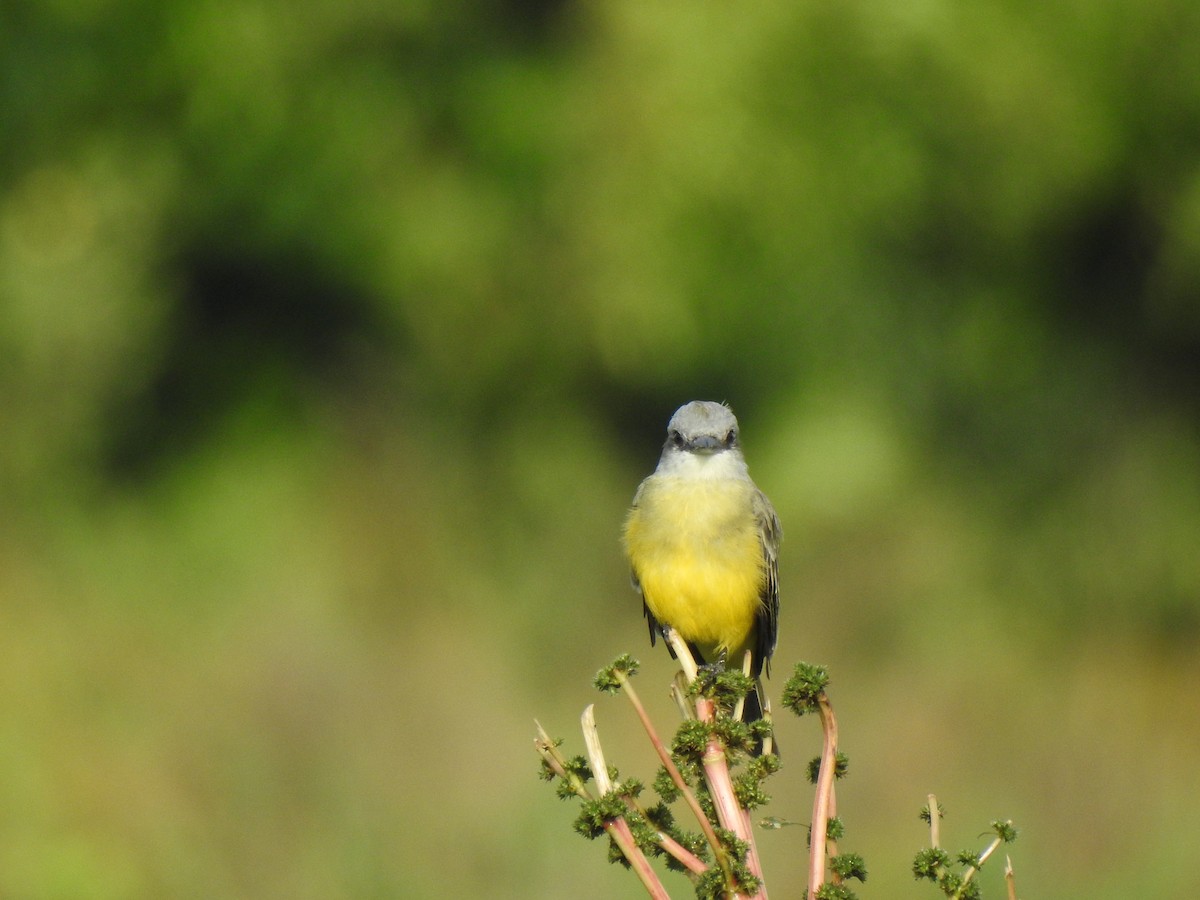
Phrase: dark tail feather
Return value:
(751, 712)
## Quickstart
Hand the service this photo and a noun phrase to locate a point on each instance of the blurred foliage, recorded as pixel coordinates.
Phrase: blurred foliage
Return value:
(335, 336)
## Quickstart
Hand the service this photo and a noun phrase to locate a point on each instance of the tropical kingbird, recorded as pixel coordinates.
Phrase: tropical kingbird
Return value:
(703, 544)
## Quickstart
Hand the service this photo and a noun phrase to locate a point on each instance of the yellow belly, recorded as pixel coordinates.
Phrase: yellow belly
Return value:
(696, 552)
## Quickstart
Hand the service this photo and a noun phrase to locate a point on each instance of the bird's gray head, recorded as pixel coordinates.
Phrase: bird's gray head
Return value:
(703, 427)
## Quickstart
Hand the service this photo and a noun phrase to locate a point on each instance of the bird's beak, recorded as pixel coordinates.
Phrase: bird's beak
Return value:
(705, 443)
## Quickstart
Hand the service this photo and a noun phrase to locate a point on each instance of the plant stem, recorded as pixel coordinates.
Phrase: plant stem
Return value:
(618, 828)
(716, 771)
(823, 802)
(664, 757)
(983, 857)
(935, 824)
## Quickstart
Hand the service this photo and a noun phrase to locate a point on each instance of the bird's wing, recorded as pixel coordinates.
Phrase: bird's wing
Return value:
(651, 622)
(770, 534)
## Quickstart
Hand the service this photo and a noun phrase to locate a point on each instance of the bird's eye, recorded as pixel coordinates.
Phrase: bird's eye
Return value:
(676, 438)
(730, 438)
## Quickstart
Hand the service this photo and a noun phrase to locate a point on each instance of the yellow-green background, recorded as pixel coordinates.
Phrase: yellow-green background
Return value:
(335, 336)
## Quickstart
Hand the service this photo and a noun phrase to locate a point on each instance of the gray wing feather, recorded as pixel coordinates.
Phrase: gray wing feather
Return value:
(771, 533)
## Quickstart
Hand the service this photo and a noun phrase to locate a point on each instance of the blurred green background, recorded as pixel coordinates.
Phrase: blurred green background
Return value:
(336, 335)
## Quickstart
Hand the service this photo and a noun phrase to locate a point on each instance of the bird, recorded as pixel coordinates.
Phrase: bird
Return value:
(703, 543)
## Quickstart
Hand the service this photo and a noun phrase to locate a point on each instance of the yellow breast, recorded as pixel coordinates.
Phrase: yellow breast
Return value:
(695, 548)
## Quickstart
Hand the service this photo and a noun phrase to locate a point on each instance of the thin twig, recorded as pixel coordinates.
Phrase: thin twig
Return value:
(557, 763)
(764, 702)
(935, 823)
(554, 759)
(618, 828)
(591, 740)
(686, 857)
(683, 653)
(687, 711)
(619, 831)
(664, 757)
(983, 857)
(740, 707)
(991, 848)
